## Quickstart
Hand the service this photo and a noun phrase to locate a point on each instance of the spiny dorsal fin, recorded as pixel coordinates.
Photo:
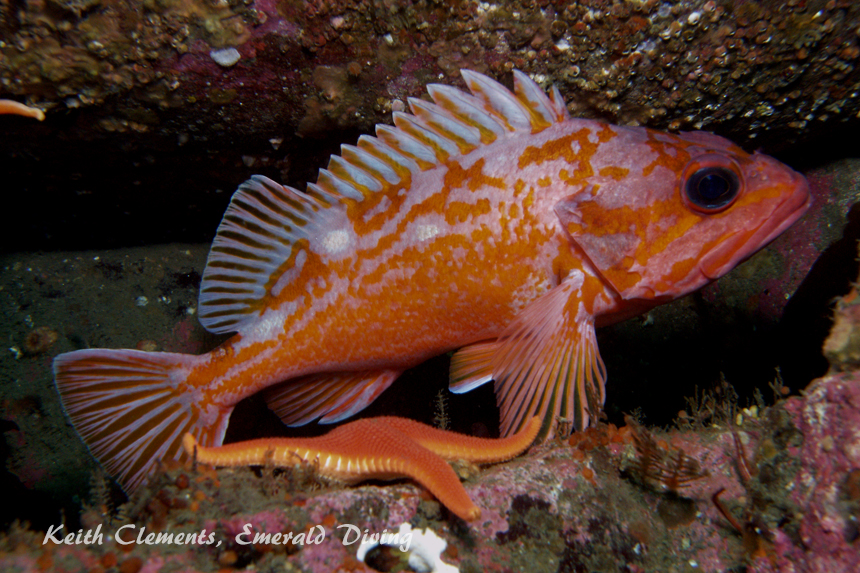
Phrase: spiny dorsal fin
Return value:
(257, 250)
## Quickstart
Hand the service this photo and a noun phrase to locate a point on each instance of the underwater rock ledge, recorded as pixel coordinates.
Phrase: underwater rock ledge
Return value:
(767, 69)
(147, 106)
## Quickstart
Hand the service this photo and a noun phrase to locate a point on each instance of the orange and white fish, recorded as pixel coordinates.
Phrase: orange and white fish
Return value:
(489, 222)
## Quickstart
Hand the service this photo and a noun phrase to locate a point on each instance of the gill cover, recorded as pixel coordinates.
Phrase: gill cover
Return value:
(649, 246)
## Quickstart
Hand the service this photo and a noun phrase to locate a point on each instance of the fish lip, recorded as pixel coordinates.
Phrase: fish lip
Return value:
(783, 216)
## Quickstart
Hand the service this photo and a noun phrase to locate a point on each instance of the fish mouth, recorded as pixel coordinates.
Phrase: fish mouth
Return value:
(743, 244)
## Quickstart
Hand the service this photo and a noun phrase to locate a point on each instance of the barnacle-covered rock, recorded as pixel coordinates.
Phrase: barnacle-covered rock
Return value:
(139, 81)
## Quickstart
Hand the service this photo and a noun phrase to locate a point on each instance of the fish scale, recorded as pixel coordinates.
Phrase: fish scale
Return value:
(490, 223)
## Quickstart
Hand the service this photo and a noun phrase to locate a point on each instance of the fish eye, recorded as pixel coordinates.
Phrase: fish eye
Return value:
(710, 187)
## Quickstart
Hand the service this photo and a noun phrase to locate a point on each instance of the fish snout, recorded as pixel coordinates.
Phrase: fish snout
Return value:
(778, 197)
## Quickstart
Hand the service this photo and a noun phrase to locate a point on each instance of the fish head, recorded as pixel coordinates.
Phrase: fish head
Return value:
(690, 208)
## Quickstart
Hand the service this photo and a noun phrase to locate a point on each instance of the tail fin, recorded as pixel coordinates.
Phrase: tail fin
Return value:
(132, 408)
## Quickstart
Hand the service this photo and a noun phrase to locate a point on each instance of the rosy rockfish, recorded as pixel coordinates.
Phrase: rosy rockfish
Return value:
(489, 222)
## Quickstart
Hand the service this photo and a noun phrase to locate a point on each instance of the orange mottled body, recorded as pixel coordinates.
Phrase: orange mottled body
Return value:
(453, 265)
(492, 223)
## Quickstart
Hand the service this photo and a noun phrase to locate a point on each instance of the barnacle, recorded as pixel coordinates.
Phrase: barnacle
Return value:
(39, 340)
(423, 547)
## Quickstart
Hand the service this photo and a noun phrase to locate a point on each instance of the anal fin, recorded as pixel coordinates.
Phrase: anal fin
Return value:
(330, 396)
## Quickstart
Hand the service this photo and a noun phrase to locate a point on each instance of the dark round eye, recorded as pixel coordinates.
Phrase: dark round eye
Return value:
(712, 188)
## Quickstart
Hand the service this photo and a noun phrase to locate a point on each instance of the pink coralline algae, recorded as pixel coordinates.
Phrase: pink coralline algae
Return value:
(789, 476)
(822, 526)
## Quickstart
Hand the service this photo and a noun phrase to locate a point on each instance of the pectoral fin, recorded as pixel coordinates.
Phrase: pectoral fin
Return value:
(546, 363)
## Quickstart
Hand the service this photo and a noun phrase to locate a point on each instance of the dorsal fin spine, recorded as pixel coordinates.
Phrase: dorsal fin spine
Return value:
(442, 148)
(265, 226)
(407, 145)
(337, 186)
(535, 100)
(498, 100)
(446, 124)
(558, 104)
(355, 176)
(321, 195)
(469, 109)
(368, 162)
(403, 166)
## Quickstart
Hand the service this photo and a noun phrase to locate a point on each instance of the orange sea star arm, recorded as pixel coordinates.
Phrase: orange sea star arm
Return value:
(17, 108)
(453, 446)
(378, 448)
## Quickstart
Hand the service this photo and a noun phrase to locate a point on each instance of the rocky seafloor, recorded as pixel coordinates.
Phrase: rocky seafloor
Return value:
(775, 488)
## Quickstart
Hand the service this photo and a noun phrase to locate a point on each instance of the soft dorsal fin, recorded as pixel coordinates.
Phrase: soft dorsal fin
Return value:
(258, 247)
